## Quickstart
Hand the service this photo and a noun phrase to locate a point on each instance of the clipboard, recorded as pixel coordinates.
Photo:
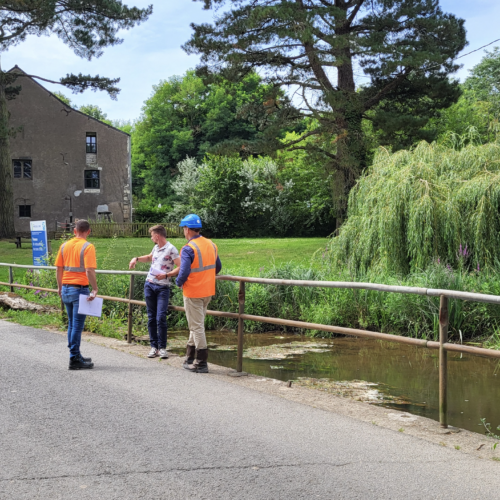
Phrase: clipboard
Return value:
(90, 307)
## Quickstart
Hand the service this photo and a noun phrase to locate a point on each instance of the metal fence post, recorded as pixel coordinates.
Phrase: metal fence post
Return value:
(443, 359)
(241, 310)
(130, 319)
(11, 279)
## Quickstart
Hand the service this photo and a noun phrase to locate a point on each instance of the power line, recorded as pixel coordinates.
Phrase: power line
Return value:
(459, 57)
(475, 50)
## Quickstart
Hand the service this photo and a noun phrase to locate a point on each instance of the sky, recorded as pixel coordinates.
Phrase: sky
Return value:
(152, 52)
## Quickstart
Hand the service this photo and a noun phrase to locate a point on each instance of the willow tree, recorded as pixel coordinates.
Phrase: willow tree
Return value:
(87, 27)
(439, 202)
(404, 48)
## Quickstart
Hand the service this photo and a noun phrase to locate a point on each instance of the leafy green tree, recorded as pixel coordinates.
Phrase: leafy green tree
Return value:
(124, 125)
(435, 203)
(475, 117)
(406, 48)
(187, 116)
(235, 197)
(312, 187)
(403, 120)
(64, 98)
(87, 27)
(95, 112)
(468, 120)
(164, 134)
(484, 80)
(253, 197)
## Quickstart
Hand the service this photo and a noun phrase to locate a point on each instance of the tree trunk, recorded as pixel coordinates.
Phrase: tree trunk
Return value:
(351, 148)
(351, 154)
(6, 191)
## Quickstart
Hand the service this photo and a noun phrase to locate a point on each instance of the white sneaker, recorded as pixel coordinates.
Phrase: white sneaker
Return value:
(153, 353)
(163, 354)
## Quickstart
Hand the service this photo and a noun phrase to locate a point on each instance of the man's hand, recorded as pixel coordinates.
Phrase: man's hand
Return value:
(161, 276)
(93, 283)
(59, 277)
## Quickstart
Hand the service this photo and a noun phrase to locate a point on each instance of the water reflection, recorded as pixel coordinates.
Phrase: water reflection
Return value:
(407, 373)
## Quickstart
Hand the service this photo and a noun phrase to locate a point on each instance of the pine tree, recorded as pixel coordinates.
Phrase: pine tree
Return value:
(405, 48)
(87, 27)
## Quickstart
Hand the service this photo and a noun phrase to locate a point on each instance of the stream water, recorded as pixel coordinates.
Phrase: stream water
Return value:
(406, 377)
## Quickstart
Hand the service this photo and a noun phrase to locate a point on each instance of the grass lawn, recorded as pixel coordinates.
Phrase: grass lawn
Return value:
(243, 256)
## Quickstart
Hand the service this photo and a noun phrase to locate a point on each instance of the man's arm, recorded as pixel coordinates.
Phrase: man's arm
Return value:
(218, 265)
(175, 271)
(92, 280)
(142, 258)
(59, 277)
(187, 257)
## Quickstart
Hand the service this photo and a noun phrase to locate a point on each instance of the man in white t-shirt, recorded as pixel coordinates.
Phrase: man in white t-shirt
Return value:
(163, 257)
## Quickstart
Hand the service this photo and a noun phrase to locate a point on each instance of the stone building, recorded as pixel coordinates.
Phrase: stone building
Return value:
(65, 164)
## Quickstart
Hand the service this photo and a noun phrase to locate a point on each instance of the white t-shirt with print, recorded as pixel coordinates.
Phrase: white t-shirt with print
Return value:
(162, 260)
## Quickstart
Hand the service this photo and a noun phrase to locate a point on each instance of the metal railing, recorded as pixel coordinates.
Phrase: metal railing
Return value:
(443, 345)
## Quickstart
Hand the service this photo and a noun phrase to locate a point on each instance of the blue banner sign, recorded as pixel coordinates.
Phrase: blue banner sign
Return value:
(39, 243)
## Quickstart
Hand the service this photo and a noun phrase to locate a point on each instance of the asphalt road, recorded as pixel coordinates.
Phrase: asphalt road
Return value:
(135, 429)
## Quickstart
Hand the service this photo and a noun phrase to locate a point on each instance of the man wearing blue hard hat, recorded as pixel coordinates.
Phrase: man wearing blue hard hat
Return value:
(199, 264)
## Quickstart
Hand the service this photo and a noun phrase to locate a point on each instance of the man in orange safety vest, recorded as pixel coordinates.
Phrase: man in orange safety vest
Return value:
(199, 264)
(76, 265)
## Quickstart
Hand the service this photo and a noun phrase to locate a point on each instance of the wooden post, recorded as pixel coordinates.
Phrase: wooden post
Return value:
(130, 305)
(241, 310)
(11, 279)
(443, 358)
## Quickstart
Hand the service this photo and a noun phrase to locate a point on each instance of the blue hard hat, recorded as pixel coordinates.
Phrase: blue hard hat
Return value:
(191, 220)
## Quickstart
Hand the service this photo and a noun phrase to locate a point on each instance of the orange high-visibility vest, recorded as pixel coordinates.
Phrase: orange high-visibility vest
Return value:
(201, 280)
(75, 257)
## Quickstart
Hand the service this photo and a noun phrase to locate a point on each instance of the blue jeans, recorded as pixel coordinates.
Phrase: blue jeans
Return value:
(157, 297)
(71, 296)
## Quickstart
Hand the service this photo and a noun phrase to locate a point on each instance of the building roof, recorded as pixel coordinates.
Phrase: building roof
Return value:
(17, 69)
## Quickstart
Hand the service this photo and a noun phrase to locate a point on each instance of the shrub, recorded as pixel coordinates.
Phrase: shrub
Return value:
(250, 198)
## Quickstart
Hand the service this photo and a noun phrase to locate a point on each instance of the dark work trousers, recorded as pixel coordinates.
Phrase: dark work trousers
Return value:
(157, 297)
(71, 297)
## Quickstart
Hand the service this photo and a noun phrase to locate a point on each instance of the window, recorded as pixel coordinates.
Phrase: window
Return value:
(24, 210)
(92, 180)
(91, 142)
(22, 169)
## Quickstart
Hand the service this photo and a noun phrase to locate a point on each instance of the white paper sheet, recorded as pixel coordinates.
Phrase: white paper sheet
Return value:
(90, 307)
(156, 272)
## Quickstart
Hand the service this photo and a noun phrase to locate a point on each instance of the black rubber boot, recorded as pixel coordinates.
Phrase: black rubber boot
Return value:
(200, 364)
(80, 364)
(190, 356)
